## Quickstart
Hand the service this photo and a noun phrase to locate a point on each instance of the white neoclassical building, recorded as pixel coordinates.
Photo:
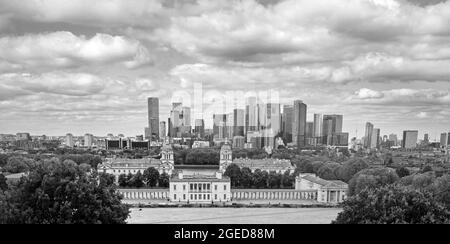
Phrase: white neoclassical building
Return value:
(328, 191)
(200, 188)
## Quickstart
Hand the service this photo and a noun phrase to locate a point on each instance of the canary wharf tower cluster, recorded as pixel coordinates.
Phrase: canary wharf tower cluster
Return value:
(258, 125)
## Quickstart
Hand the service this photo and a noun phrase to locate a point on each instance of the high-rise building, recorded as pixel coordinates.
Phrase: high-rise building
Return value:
(69, 140)
(299, 124)
(186, 116)
(251, 115)
(309, 129)
(88, 140)
(239, 122)
(288, 114)
(368, 135)
(153, 118)
(444, 140)
(199, 129)
(375, 143)
(318, 125)
(162, 129)
(269, 119)
(393, 138)
(23, 137)
(410, 139)
(219, 126)
(426, 138)
(238, 142)
(174, 123)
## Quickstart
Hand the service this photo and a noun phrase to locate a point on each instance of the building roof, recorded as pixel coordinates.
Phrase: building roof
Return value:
(200, 178)
(264, 164)
(132, 163)
(325, 183)
(197, 167)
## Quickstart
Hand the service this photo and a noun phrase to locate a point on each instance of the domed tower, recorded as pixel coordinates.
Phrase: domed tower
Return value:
(167, 159)
(226, 157)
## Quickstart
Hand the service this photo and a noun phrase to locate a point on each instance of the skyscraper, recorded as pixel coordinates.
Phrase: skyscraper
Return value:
(219, 126)
(393, 138)
(238, 122)
(368, 135)
(199, 129)
(288, 114)
(162, 129)
(88, 140)
(318, 125)
(69, 140)
(251, 115)
(375, 143)
(410, 139)
(444, 140)
(153, 117)
(299, 123)
(186, 116)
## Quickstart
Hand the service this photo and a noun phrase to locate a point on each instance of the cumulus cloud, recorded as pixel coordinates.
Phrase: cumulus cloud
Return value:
(99, 13)
(77, 84)
(401, 97)
(64, 49)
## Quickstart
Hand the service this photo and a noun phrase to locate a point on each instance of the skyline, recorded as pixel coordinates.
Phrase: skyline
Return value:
(69, 68)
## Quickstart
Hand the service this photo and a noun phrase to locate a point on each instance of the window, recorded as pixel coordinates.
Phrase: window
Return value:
(175, 196)
(215, 187)
(215, 196)
(224, 187)
(195, 196)
(174, 187)
(192, 197)
(204, 186)
(208, 196)
(195, 186)
(184, 196)
(208, 186)
(224, 196)
(191, 186)
(184, 187)
(199, 196)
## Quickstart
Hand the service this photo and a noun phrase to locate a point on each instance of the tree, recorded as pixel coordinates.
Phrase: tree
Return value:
(123, 180)
(371, 178)
(328, 171)
(151, 177)
(57, 192)
(137, 180)
(427, 168)
(164, 180)
(260, 179)
(234, 172)
(317, 165)
(393, 204)
(287, 180)
(274, 180)
(3, 183)
(246, 178)
(441, 189)
(19, 164)
(106, 180)
(350, 168)
(402, 172)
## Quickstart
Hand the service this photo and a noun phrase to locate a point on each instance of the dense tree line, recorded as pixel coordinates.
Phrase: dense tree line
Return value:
(245, 179)
(380, 195)
(150, 178)
(329, 170)
(56, 192)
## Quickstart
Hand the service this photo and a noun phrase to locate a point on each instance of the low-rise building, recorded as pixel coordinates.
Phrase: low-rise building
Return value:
(328, 191)
(200, 188)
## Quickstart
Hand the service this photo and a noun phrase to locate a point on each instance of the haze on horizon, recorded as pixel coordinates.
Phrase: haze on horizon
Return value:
(88, 66)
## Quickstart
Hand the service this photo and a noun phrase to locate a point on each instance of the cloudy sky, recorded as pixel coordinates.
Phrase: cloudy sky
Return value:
(85, 66)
